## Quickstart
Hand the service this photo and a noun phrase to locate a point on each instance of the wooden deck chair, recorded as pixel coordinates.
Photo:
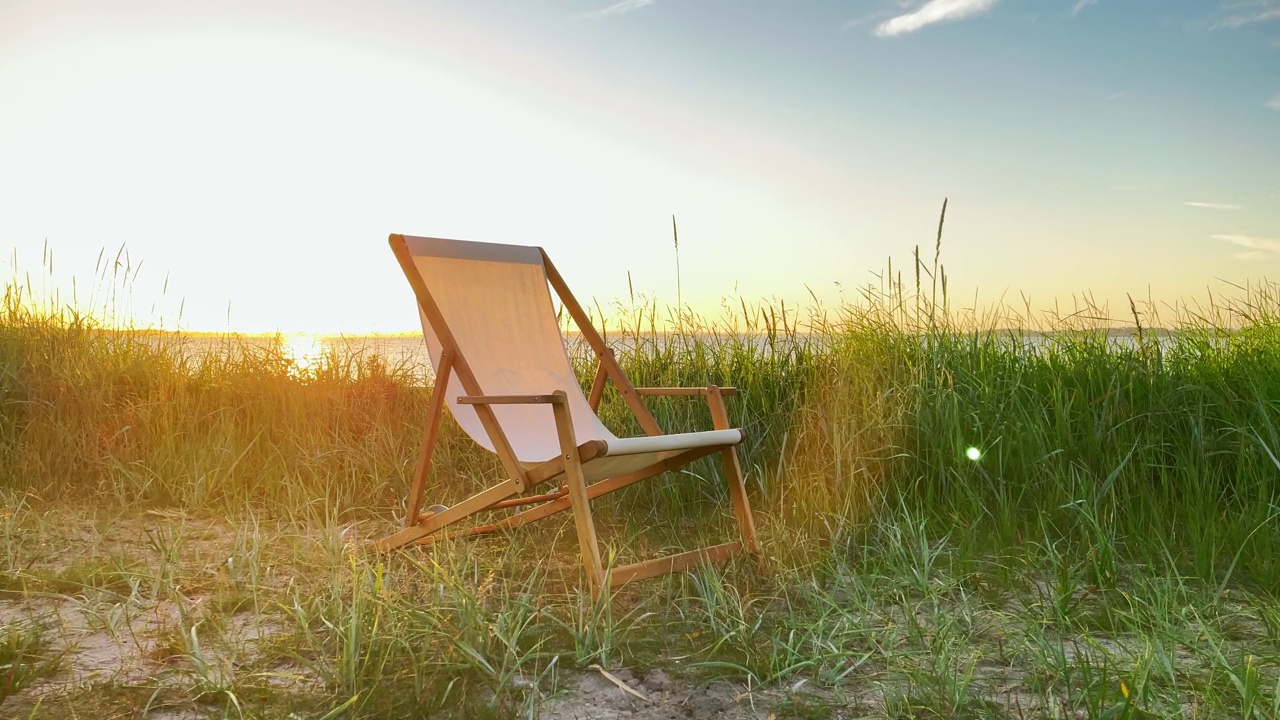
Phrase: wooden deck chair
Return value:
(501, 367)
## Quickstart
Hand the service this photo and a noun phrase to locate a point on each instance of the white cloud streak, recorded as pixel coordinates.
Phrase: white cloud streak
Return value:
(1212, 205)
(1081, 5)
(1257, 247)
(620, 8)
(859, 22)
(1274, 103)
(1248, 12)
(934, 11)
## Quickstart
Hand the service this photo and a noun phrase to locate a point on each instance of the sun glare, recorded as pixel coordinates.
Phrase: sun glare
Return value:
(303, 350)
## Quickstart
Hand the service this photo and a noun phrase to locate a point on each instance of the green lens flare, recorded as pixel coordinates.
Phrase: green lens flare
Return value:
(973, 453)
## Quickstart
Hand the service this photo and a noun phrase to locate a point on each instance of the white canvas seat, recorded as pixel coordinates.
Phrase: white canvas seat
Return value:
(502, 370)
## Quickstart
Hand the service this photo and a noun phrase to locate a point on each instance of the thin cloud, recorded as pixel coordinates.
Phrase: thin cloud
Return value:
(1114, 96)
(1081, 5)
(859, 22)
(1274, 103)
(934, 11)
(1248, 12)
(1212, 205)
(620, 8)
(1257, 246)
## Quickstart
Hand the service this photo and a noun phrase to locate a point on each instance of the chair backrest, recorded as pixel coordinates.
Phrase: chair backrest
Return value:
(497, 306)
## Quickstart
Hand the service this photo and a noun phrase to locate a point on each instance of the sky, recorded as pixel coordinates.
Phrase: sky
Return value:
(250, 157)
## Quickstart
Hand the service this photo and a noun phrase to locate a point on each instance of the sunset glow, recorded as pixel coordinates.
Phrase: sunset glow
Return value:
(256, 157)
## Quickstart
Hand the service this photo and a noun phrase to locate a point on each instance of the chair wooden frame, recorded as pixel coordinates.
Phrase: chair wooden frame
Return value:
(576, 494)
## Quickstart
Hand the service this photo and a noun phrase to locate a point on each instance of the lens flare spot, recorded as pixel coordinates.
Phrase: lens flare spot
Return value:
(973, 453)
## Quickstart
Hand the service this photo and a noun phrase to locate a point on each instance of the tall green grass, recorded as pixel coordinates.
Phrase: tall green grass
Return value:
(1143, 446)
(1128, 486)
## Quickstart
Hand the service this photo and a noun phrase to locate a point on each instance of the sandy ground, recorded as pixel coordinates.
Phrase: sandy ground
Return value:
(107, 643)
(100, 649)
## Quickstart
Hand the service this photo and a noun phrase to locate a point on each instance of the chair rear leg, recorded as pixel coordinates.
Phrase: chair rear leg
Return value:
(429, 437)
(741, 506)
(733, 474)
(472, 505)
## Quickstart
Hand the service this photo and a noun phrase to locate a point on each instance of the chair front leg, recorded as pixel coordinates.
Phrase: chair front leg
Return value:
(578, 494)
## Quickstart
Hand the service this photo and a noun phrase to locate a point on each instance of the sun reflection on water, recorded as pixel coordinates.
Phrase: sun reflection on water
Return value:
(304, 350)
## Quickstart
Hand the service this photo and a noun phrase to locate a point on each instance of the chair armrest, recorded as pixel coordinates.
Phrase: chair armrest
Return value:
(550, 399)
(686, 392)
